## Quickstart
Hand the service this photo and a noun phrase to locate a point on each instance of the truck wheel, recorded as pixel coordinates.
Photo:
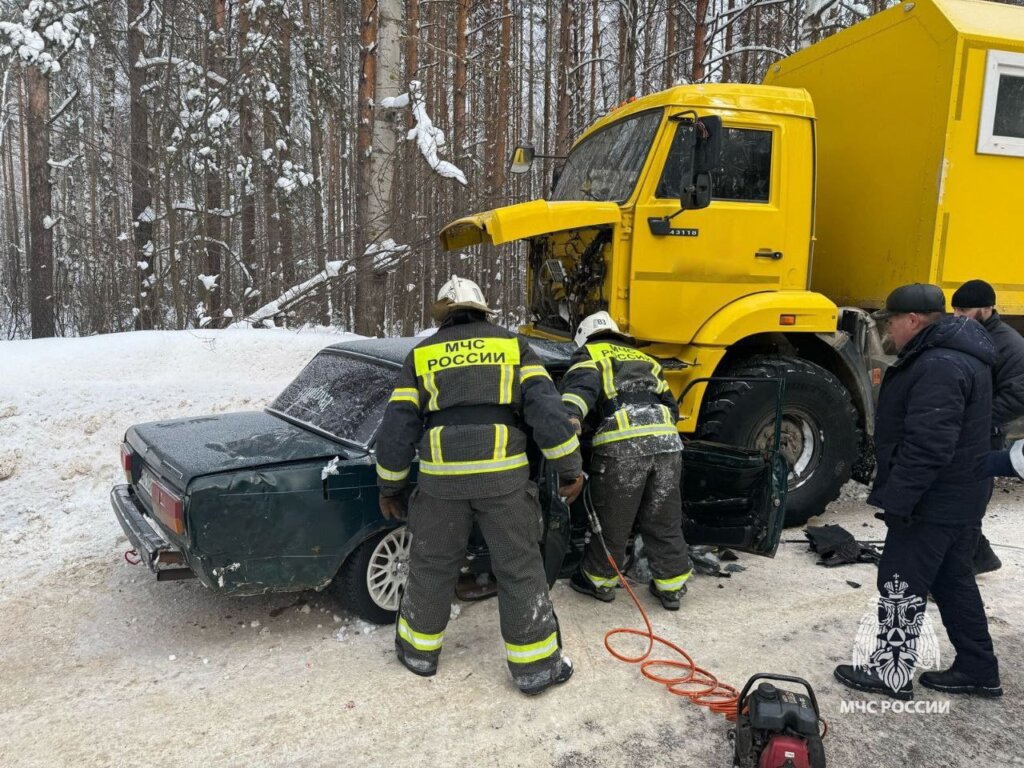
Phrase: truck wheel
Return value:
(371, 578)
(820, 437)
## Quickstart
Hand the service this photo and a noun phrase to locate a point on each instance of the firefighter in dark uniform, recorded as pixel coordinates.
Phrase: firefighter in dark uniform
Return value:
(460, 399)
(637, 461)
(976, 299)
(932, 433)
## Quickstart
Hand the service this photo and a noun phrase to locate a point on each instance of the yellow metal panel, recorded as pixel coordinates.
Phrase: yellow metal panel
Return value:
(881, 91)
(517, 222)
(677, 283)
(979, 232)
(980, 19)
(762, 312)
(712, 97)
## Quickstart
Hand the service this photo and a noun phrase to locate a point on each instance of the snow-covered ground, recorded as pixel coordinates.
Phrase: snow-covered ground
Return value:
(102, 666)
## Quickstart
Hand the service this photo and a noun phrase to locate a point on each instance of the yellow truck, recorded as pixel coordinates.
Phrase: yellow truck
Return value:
(744, 230)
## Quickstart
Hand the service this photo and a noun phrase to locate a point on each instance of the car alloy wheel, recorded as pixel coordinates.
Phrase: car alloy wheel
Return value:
(388, 569)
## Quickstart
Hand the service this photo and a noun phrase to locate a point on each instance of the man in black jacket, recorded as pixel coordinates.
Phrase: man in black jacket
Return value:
(976, 299)
(932, 435)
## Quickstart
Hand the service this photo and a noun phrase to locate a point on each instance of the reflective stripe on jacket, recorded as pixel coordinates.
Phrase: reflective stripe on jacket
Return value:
(637, 412)
(472, 363)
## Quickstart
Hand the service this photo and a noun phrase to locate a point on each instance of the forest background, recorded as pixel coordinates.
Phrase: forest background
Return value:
(191, 163)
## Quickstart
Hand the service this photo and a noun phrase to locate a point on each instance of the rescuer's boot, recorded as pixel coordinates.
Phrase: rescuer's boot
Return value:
(953, 681)
(582, 584)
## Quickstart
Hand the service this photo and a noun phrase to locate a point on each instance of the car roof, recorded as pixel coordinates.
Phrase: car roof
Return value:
(552, 354)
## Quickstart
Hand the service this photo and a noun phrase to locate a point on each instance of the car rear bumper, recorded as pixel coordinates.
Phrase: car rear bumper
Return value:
(151, 547)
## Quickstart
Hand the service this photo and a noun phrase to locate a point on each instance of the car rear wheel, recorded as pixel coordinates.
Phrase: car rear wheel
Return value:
(371, 579)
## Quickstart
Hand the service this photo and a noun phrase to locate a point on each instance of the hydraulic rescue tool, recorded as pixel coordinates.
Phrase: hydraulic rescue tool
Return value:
(776, 727)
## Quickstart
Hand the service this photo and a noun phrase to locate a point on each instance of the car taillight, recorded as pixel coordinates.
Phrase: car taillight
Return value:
(168, 507)
(126, 461)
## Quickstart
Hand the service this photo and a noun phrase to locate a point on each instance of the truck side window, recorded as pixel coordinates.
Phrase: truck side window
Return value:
(745, 172)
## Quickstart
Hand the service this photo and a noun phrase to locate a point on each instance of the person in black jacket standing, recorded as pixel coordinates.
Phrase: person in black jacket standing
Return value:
(976, 299)
(932, 436)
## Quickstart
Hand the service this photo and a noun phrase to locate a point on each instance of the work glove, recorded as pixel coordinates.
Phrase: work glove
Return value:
(892, 520)
(570, 488)
(577, 427)
(394, 507)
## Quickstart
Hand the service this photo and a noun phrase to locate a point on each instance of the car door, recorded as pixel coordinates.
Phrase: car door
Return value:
(556, 539)
(733, 497)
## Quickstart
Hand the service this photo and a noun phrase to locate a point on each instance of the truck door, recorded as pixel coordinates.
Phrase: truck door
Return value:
(747, 241)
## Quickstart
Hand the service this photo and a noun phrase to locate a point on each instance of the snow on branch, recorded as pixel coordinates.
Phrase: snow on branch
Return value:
(428, 137)
(385, 255)
(292, 296)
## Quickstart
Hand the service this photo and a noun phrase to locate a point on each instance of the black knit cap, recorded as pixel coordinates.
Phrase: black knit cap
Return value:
(916, 297)
(973, 294)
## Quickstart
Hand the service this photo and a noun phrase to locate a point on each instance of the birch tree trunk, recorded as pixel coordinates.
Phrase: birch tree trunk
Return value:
(40, 275)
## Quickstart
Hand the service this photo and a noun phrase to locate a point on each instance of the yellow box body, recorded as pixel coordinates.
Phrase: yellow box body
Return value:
(904, 195)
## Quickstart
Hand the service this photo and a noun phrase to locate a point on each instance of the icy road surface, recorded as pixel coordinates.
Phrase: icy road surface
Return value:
(102, 666)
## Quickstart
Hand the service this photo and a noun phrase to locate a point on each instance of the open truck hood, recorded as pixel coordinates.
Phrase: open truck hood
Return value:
(517, 222)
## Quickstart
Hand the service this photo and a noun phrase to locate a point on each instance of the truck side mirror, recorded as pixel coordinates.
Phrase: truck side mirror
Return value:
(701, 197)
(522, 159)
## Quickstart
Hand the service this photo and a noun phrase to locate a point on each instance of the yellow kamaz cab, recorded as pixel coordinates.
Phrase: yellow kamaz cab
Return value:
(720, 224)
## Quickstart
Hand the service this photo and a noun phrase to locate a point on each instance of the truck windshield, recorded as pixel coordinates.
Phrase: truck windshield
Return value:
(605, 166)
(339, 395)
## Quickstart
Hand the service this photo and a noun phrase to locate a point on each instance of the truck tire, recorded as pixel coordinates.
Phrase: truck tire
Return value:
(820, 436)
(371, 578)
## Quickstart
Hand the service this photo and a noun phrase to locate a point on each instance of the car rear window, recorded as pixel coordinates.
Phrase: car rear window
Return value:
(341, 395)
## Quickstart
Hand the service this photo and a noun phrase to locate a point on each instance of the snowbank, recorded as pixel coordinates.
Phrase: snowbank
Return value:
(66, 403)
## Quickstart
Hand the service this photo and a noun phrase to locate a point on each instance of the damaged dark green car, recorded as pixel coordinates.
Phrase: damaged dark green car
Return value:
(285, 499)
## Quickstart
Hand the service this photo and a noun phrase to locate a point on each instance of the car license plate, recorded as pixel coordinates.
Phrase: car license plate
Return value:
(146, 480)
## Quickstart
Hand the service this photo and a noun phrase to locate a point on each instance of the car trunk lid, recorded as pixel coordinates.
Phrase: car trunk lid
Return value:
(179, 450)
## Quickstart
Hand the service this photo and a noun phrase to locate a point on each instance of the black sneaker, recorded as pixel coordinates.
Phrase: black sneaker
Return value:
(418, 666)
(952, 681)
(864, 680)
(585, 586)
(669, 600)
(985, 560)
(531, 685)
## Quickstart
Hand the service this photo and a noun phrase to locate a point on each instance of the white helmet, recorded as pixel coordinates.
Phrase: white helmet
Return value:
(459, 293)
(599, 322)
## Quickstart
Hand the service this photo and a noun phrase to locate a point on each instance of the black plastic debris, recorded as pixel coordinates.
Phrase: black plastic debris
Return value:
(836, 546)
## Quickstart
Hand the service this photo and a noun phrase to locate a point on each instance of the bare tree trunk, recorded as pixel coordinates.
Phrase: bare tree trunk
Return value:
(14, 241)
(247, 251)
(141, 160)
(564, 64)
(459, 89)
(670, 46)
(284, 205)
(212, 219)
(365, 310)
(316, 144)
(700, 41)
(628, 15)
(40, 275)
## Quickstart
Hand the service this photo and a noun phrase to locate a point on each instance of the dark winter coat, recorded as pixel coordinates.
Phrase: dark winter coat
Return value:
(1007, 375)
(933, 426)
